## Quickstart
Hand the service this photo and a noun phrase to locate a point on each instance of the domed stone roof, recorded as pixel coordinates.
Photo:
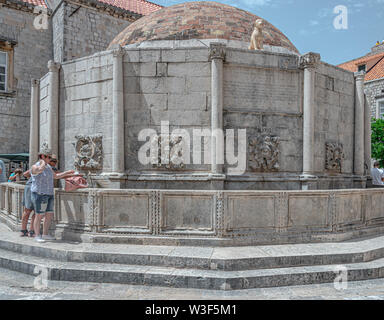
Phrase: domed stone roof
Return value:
(200, 20)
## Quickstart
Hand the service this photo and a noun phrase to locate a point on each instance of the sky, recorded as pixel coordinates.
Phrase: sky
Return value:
(340, 30)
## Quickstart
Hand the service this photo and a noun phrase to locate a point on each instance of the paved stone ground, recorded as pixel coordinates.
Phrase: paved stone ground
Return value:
(18, 286)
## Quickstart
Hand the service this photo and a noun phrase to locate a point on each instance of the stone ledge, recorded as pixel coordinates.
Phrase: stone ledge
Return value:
(217, 258)
(187, 278)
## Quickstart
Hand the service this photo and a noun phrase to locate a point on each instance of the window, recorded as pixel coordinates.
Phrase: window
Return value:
(6, 67)
(381, 109)
(361, 68)
(3, 71)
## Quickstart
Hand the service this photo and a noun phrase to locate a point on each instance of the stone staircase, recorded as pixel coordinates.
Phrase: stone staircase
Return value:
(217, 268)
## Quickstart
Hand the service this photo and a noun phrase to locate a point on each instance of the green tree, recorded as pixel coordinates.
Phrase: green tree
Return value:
(377, 140)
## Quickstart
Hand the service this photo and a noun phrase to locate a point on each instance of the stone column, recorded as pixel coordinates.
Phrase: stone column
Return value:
(359, 124)
(367, 136)
(118, 113)
(217, 56)
(309, 62)
(53, 96)
(34, 122)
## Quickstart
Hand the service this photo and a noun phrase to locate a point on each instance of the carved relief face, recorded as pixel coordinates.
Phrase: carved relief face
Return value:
(266, 152)
(86, 150)
(89, 152)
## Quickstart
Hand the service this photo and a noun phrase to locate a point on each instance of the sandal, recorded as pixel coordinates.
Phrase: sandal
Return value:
(24, 233)
(31, 233)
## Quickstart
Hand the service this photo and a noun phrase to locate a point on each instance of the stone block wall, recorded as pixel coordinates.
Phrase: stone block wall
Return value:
(374, 91)
(31, 54)
(263, 94)
(82, 31)
(334, 115)
(172, 85)
(85, 105)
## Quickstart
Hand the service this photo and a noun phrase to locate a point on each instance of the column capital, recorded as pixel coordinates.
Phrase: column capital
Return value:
(53, 66)
(309, 60)
(118, 52)
(360, 75)
(217, 51)
(35, 82)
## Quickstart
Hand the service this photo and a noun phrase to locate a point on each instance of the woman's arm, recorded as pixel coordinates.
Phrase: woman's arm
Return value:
(63, 175)
(27, 174)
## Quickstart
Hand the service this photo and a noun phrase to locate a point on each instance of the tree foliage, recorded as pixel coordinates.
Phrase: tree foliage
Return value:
(377, 140)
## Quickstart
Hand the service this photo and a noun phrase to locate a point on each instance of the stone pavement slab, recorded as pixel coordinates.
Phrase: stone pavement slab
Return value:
(18, 286)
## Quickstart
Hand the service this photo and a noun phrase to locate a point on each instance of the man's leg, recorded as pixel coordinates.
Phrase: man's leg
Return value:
(37, 223)
(48, 219)
(47, 222)
(36, 200)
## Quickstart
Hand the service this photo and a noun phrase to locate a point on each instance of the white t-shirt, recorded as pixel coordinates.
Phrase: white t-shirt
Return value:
(377, 174)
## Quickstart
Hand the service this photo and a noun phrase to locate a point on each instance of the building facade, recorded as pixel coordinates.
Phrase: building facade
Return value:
(33, 32)
(373, 65)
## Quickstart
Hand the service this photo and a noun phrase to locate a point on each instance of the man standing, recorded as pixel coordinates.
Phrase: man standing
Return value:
(42, 191)
(377, 175)
(3, 177)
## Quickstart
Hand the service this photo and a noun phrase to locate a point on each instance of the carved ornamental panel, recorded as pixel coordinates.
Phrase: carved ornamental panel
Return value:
(89, 152)
(263, 153)
(334, 156)
(171, 149)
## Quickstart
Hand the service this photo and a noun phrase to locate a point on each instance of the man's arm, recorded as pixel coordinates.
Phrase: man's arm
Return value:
(39, 168)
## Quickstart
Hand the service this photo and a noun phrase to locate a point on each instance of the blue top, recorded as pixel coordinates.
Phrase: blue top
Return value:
(12, 174)
(3, 177)
(42, 183)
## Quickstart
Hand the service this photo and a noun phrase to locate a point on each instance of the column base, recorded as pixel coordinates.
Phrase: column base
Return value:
(308, 181)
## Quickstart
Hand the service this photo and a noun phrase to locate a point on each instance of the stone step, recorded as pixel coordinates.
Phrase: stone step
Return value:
(208, 258)
(186, 278)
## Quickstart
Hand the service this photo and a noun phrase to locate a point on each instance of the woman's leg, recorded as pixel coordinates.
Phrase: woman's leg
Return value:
(24, 220)
(32, 226)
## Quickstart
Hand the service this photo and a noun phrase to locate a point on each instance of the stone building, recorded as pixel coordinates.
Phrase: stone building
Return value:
(32, 32)
(189, 66)
(373, 65)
